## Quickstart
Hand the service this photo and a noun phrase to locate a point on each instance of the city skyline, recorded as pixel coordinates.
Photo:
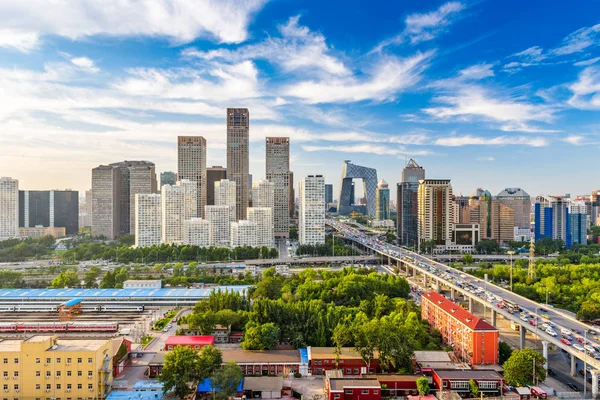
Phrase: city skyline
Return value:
(453, 84)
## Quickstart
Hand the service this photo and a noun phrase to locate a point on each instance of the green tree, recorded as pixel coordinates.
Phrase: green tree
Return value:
(504, 352)
(68, 278)
(423, 386)
(226, 380)
(341, 337)
(203, 322)
(519, 368)
(261, 337)
(474, 387)
(91, 276)
(180, 372)
(467, 259)
(211, 359)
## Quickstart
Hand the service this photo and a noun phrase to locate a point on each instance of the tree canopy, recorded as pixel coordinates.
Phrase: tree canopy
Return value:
(519, 368)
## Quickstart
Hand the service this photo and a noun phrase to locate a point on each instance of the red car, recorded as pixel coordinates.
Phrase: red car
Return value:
(532, 322)
(499, 305)
(580, 340)
(565, 341)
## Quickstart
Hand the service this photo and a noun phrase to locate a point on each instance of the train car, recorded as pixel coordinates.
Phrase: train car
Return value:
(35, 308)
(42, 327)
(121, 308)
(93, 327)
(6, 308)
(8, 327)
(90, 308)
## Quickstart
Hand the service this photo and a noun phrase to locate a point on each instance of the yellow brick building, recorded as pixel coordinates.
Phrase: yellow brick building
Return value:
(48, 368)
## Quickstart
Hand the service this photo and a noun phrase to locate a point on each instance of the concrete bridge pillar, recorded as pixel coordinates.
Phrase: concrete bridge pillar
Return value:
(470, 304)
(414, 272)
(522, 338)
(594, 383)
(437, 286)
(494, 316)
(424, 280)
(573, 365)
(545, 353)
(452, 294)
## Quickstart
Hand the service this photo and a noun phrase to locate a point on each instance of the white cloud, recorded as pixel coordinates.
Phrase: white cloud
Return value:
(587, 62)
(390, 76)
(586, 90)
(476, 72)
(365, 148)
(297, 49)
(576, 140)
(486, 158)
(423, 27)
(469, 140)
(23, 41)
(579, 40)
(180, 21)
(85, 63)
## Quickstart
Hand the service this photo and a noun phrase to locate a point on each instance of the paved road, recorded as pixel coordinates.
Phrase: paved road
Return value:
(459, 281)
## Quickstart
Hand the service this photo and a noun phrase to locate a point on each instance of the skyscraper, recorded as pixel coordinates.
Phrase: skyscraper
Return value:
(167, 178)
(172, 213)
(350, 172)
(311, 226)
(382, 201)
(263, 194)
(520, 202)
(578, 222)
(435, 211)
(147, 220)
(495, 219)
(49, 208)
(225, 195)
(263, 217)
(238, 127)
(114, 187)
(278, 172)
(213, 174)
(9, 208)
(190, 198)
(219, 218)
(191, 165)
(243, 233)
(196, 232)
(407, 203)
(292, 195)
(328, 194)
(552, 218)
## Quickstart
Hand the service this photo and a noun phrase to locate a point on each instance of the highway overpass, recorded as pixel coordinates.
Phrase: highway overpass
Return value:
(410, 263)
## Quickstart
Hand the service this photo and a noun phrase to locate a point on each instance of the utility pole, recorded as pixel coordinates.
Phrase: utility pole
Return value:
(510, 253)
(531, 270)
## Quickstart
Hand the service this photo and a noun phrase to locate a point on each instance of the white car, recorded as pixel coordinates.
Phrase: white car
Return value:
(565, 332)
(551, 332)
(578, 347)
(524, 319)
(589, 348)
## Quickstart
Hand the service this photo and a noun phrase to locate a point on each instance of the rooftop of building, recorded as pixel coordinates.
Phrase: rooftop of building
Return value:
(392, 377)
(206, 386)
(347, 353)
(263, 383)
(262, 356)
(72, 302)
(432, 355)
(142, 280)
(459, 313)
(143, 395)
(468, 374)
(10, 345)
(78, 344)
(340, 384)
(148, 384)
(190, 340)
(513, 192)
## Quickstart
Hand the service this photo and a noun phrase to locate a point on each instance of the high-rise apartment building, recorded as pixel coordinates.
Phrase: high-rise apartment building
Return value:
(168, 178)
(311, 222)
(9, 208)
(114, 187)
(520, 202)
(382, 201)
(278, 172)
(263, 218)
(407, 203)
(148, 220)
(435, 211)
(172, 213)
(578, 222)
(196, 232)
(238, 130)
(219, 218)
(191, 165)
(49, 209)
(552, 218)
(263, 194)
(328, 194)
(52, 368)
(243, 233)
(190, 199)
(495, 220)
(225, 195)
(292, 195)
(213, 174)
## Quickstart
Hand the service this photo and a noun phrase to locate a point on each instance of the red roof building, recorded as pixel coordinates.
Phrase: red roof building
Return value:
(473, 340)
(193, 342)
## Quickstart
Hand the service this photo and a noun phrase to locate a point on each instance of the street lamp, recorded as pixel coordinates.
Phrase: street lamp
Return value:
(585, 331)
(510, 253)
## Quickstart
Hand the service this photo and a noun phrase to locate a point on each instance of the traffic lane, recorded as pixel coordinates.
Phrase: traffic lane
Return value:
(560, 363)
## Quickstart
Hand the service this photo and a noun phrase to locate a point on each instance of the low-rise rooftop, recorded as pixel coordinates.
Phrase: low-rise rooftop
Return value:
(340, 384)
(262, 356)
(263, 383)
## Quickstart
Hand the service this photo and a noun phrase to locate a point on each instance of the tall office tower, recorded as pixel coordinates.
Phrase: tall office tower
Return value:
(292, 195)
(495, 220)
(218, 216)
(520, 202)
(238, 127)
(578, 222)
(263, 217)
(225, 195)
(85, 210)
(243, 233)
(435, 211)
(49, 208)
(148, 221)
(9, 208)
(552, 218)
(167, 178)
(196, 232)
(328, 194)
(311, 223)
(277, 158)
(382, 200)
(172, 213)
(190, 198)
(462, 215)
(407, 203)
(114, 187)
(213, 174)
(191, 165)
(263, 194)
(249, 190)
(594, 209)
(347, 195)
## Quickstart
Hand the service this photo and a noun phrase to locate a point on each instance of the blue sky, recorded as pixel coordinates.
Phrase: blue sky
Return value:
(489, 94)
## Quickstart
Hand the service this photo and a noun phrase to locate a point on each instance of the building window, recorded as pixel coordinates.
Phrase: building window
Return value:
(16, 386)
(445, 384)
(58, 360)
(89, 374)
(38, 373)
(5, 360)
(48, 360)
(37, 386)
(348, 391)
(16, 374)
(79, 386)
(348, 371)
(79, 373)
(459, 384)
(58, 386)
(336, 396)
(375, 391)
(355, 371)
(68, 373)
(5, 387)
(69, 386)
(365, 391)
(90, 360)
(90, 386)
(79, 361)
(58, 374)
(48, 373)
(318, 362)
(68, 361)
(48, 386)
(487, 385)
(37, 360)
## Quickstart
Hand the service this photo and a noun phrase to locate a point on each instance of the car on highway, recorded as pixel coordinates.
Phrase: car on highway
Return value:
(551, 332)
(573, 387)
(551, 372)
(589, 348)
(545, 316)
(524, 319)
(565, 341)
(579, 347)
(532, 322)
(580, 340)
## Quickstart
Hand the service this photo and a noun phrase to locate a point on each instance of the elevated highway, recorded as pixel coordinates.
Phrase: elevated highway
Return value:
(490, 295)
